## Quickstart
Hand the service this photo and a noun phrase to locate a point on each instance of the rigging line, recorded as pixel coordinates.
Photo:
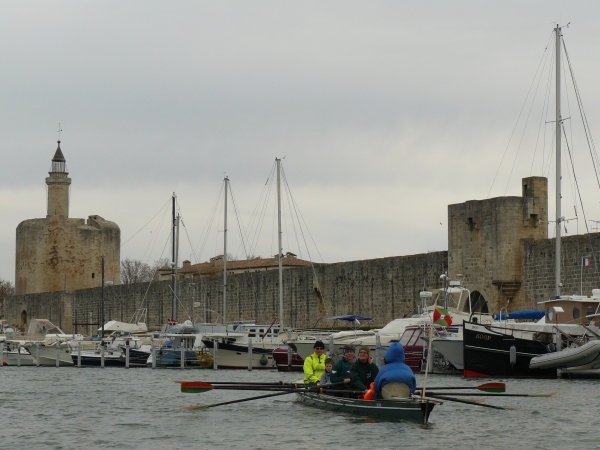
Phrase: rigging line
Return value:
(261, 212)
(180, 302)
(273, 227)
(524, 129)
(258, 216)
(299, 214)
(146, 223)
(154, 273)
(588, 136)
(208, 226)
(240, 224)
(582, 208)
(150, 248)
(549, 84)
(542, 121)
(180, 211)
(518, 118)
(582, 110)
(289, 203)
(550, 161)
(570, 128)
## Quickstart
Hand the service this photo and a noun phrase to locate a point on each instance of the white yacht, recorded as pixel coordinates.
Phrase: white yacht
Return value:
(455, 299)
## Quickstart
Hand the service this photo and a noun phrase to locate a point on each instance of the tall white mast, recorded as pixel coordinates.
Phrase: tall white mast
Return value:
(280, 252)
(173, 256)
(558, 159)
(225, 256)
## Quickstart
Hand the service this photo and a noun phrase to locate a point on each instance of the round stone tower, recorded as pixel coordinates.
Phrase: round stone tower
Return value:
(60, 253)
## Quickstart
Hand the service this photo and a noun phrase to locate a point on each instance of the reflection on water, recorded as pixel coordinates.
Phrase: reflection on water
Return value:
(46, 407)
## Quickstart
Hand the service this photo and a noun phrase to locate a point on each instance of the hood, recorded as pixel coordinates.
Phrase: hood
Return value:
(394, 354)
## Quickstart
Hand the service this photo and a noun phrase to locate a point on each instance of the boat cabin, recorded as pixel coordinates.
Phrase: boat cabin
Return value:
(572, 309)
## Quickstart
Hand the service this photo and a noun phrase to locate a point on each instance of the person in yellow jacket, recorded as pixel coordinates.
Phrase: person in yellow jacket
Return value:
(314, 365)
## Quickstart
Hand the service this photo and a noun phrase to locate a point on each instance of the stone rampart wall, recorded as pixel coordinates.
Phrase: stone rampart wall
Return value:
(383, 288)
(539, 267)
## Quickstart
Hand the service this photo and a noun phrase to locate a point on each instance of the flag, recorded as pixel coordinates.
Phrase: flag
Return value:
(442, 317)
(586, 262)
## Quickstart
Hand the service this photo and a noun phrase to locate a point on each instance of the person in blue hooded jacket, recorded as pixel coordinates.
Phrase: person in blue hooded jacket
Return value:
(394, 370)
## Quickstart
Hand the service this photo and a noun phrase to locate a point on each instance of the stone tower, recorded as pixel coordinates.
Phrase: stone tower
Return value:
(59, 253)
(485, 242)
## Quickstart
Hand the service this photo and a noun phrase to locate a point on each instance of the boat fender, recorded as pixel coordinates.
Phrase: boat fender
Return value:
(513, 355)
(370, 393)
(263, 360)
(4, 363)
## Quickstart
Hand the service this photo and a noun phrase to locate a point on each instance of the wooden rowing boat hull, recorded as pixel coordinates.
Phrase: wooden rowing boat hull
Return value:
(409, 409)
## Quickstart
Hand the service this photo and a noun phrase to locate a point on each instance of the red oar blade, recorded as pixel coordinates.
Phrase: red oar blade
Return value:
(492, 387)
(195, 387)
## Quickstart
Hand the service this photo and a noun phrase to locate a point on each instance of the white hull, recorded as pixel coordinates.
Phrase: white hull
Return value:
(235, 356)
(451, 349)
(48, 356)
(586, 355)
(11, 359)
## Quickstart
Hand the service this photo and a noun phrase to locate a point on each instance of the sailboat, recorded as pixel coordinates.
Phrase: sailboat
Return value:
(504, 349)
(247, 344)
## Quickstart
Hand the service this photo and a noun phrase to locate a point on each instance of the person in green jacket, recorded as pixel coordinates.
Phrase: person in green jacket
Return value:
(341, 370)
(314, 365)
(363, 372)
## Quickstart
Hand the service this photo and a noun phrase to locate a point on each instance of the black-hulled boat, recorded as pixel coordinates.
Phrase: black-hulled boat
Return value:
(487, 351)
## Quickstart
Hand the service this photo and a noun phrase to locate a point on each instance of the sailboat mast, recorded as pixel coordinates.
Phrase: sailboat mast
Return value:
(280, 249)
(225, 255)
(558, 160)
(173, 263)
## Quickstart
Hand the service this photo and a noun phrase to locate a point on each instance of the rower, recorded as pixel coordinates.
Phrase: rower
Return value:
(314, 365)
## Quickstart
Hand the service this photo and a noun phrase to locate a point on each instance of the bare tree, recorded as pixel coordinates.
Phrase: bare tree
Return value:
(159, 264)
(136, 271)
(6, 290)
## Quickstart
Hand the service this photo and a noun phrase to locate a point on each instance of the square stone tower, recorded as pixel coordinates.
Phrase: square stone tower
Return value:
(484, 242)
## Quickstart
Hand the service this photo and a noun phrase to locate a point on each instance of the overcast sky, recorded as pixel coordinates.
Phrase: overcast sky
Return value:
(385, 112)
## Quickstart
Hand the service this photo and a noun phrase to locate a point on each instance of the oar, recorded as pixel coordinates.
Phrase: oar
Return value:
(241, 383)
(463, 394)
(486, 387)
(196, 387)
(235, 401)
(468, 402)
(201, 386)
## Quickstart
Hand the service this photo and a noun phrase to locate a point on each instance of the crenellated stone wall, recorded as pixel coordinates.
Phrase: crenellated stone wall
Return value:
(383, 288)
(538, 267)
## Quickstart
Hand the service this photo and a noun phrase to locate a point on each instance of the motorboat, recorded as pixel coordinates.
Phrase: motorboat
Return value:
(16, 355)
(455, 299)
(504, 349)
(178, 346)
(233, 345)
(46, 354)
(286, 364)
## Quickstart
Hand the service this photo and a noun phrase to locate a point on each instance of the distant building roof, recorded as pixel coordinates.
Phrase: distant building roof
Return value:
(215, 265)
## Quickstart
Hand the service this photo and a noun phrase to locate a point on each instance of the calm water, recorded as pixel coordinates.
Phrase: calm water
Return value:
(46, 407)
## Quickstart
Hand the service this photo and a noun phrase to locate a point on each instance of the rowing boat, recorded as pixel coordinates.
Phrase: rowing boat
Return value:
(414, 409)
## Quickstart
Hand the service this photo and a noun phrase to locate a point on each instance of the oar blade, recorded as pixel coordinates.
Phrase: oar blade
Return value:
(492, 387)
(549, 394)
(195, 387)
